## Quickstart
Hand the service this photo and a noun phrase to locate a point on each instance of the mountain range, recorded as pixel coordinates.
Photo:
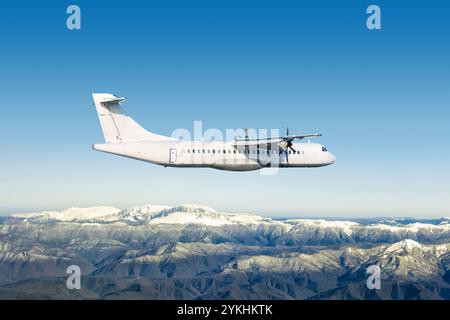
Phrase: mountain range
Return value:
(196, 252)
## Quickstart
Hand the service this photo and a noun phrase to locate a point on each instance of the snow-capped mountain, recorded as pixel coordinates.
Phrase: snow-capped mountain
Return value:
(149, 214)
(191, 251)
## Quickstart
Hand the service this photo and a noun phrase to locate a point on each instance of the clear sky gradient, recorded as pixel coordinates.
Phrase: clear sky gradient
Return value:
(380, 98)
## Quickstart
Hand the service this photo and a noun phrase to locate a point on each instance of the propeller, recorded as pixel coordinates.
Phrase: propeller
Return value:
(289, 141)
(288, 145)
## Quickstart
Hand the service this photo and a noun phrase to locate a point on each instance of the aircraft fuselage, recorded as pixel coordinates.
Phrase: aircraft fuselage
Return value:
(220, 155)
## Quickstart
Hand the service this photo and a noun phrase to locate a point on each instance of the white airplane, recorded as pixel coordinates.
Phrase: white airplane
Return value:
(125, 137)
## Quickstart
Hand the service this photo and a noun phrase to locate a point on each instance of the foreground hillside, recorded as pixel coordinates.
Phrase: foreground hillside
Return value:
(194, 252)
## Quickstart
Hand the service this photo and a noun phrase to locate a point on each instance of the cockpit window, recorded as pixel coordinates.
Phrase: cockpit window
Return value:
(324, 149)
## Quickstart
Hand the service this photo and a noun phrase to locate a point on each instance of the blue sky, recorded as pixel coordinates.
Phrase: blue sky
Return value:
(380, 98)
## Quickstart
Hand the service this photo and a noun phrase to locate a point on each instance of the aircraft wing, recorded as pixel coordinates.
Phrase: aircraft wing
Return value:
(282, 141)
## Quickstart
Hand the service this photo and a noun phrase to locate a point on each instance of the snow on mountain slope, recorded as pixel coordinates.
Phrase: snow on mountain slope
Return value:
(405, 260)
(103, 213)
(204, 215)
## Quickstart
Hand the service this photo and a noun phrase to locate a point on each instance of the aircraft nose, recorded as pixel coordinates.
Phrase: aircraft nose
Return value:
(332, 158)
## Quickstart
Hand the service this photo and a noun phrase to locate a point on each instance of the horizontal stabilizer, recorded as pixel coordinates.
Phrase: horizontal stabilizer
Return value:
(109, 101)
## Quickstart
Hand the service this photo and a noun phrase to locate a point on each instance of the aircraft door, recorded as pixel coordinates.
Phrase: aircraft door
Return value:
(172, 155)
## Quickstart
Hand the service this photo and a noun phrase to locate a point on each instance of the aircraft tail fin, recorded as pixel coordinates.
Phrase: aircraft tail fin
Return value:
(118, 127)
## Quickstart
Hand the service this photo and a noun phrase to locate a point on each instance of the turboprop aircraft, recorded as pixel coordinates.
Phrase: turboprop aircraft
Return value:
(125, 137)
